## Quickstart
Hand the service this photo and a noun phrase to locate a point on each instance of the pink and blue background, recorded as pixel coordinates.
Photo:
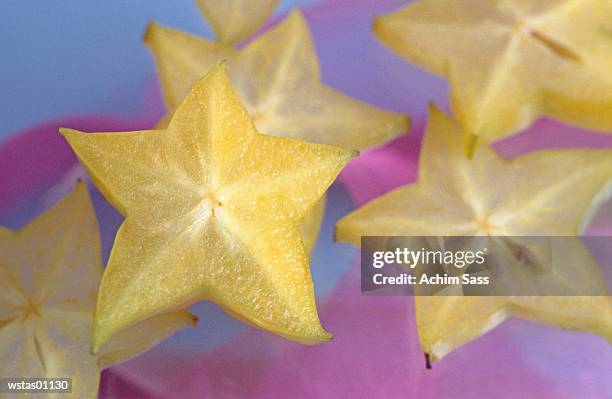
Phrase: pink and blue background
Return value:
(82, 65)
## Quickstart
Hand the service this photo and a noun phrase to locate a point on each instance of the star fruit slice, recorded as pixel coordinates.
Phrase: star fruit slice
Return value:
(212, 211)
(545, 193)
(510, 61)
(50, 272)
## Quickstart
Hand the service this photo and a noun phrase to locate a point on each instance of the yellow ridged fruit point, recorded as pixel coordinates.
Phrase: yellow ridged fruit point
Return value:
(233, 21)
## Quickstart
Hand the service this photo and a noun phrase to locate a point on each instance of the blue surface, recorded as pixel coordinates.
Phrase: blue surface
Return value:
(66, 58)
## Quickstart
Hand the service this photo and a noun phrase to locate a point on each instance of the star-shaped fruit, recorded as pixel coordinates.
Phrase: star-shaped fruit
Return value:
(277, 78)
(233, 21)
(50, 271)
(546, 193)
(212, 211)
(509, 61)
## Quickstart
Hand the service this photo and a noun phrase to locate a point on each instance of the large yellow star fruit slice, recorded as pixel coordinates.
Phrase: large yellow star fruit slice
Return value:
(50, 272)
(546, 193)
(510, 61)
(233, 21)
(212, 211)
